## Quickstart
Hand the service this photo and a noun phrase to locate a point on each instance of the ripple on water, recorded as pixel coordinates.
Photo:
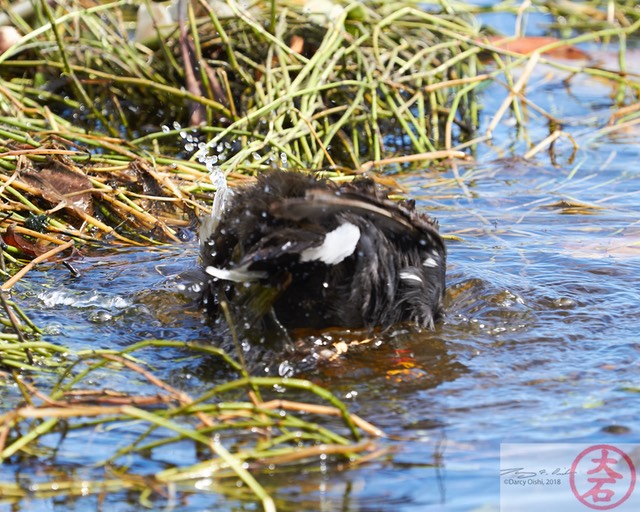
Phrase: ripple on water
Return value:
(83, 299)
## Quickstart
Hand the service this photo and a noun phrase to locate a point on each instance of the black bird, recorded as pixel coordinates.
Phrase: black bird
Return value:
(310, 253)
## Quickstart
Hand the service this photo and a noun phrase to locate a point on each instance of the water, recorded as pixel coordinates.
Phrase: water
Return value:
(540, 343)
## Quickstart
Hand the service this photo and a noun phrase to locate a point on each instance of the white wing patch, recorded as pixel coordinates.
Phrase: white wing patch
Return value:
(430, 262)
(337, 245)
(236, 275)
(408, 275)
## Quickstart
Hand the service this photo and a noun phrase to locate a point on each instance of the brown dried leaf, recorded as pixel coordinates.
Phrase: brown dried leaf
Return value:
(31, 249)
(574, 207)
(19, 242)
(64, 186)
(527, 45)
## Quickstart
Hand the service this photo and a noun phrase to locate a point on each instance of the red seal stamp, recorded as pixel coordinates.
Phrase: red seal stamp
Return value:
(602, 477)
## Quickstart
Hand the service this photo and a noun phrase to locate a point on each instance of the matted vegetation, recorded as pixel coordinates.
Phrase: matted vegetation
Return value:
(270, 432)
(108, 141)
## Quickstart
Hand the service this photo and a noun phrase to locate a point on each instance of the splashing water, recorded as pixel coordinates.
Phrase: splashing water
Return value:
(219, 181)
(216, 174)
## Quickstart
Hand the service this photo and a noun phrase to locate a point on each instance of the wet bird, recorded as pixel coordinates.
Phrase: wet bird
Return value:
(304, 252)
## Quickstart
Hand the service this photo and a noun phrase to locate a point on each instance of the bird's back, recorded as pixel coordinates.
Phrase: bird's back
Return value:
(316, 254)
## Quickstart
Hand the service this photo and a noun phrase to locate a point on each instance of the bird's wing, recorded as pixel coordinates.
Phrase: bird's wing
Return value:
(390, 216)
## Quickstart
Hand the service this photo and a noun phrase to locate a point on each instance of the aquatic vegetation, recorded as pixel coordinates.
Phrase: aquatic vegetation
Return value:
(270, 431)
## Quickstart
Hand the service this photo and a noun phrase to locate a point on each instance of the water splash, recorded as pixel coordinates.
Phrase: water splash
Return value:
(210, 154)
(223, 193)
(89, 299)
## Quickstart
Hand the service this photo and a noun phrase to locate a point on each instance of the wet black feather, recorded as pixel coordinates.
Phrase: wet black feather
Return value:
(395, 274)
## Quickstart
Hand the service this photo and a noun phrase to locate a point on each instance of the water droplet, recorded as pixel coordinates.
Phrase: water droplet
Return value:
(285, 369)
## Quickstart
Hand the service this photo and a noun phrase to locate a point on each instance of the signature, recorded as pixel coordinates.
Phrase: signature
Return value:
(523, 473)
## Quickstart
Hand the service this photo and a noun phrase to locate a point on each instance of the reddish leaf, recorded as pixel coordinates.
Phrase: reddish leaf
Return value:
(527, 45)
(19, 242)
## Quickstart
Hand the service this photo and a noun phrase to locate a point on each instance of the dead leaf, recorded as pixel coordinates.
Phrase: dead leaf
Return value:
(16, 240)
(574, 207)
(62, 186)
(529, 44)
(405, 375)
(31, 249)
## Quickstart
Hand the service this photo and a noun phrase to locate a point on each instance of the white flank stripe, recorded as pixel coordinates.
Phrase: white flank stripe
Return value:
(237, 275)
(407, 275)
(337, 245)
